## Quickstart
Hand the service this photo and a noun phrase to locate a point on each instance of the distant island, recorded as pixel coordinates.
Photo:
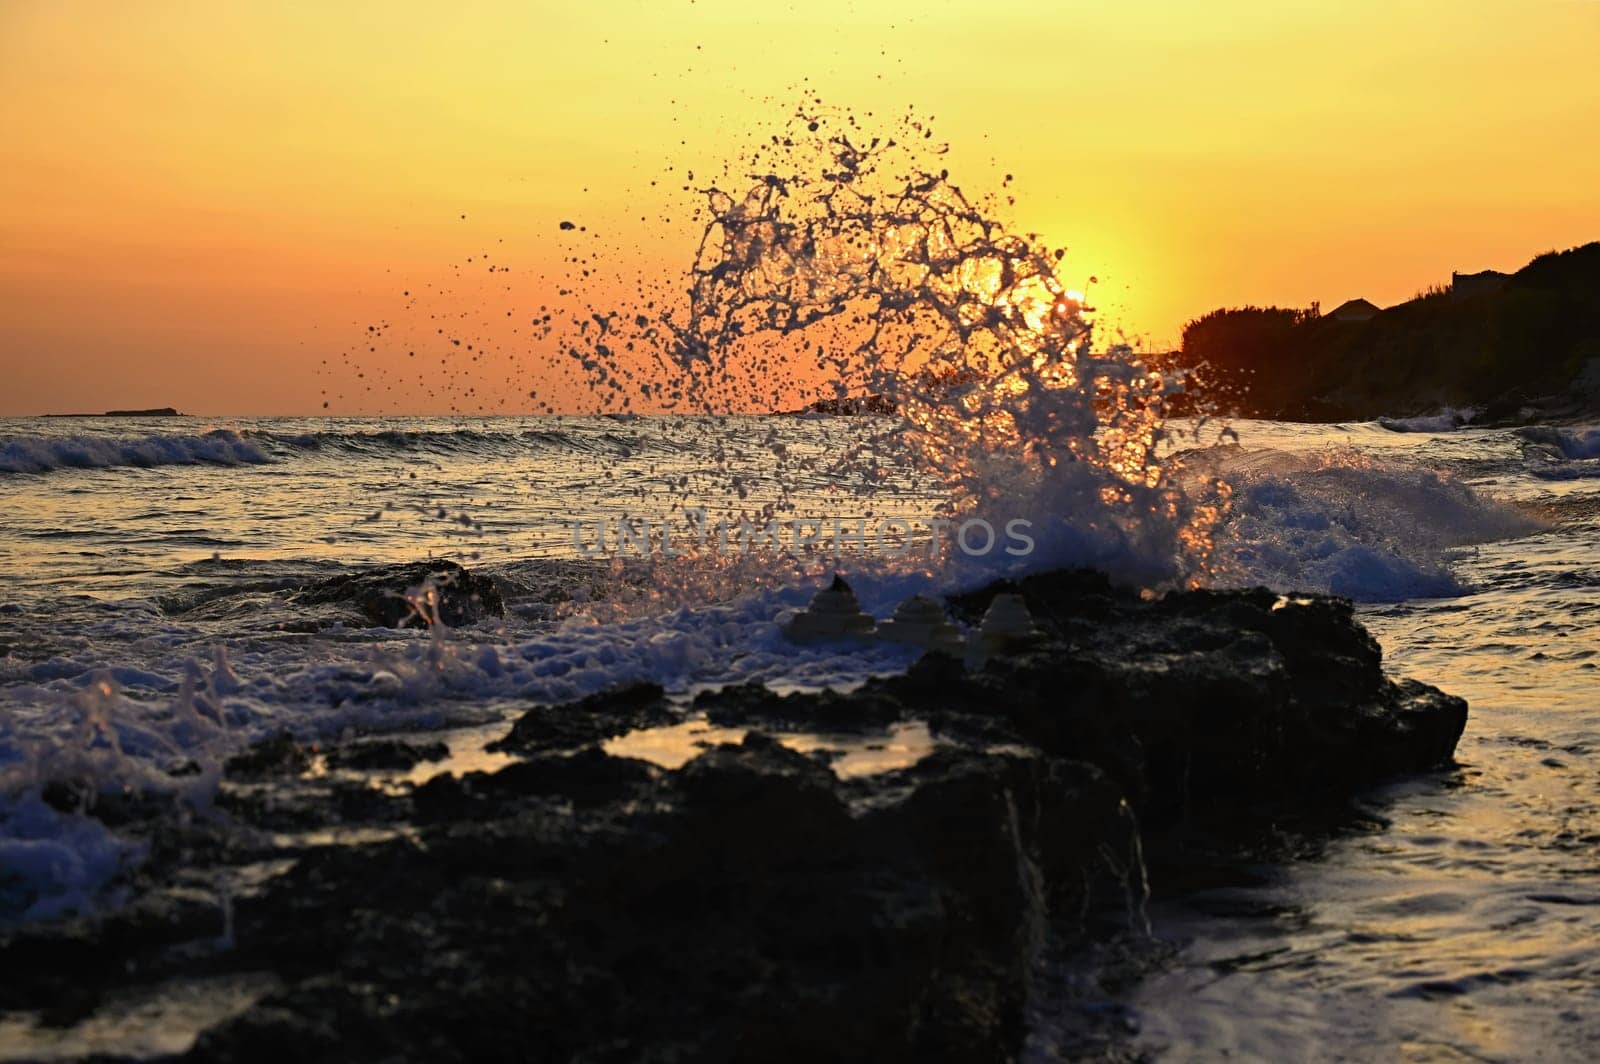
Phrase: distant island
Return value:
(1507, 345)
(160, 411)
(852, 405)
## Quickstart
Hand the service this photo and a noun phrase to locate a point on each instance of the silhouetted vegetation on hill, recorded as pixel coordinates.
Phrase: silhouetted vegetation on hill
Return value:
(1529, 337)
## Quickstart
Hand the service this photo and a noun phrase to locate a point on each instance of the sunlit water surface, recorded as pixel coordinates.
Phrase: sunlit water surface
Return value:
(1463, 923)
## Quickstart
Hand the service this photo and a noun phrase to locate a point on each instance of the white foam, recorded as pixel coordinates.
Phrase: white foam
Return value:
(40, 454)
(80, 726)
(1351, 524)
(1570, 443)
(1445, 420)
(55, 864)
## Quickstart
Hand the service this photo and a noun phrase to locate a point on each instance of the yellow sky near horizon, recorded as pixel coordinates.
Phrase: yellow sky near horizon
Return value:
(199, 203)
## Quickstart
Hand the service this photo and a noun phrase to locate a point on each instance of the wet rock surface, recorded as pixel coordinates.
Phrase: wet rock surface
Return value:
(395, 596)
(752, 904)
(588, 720)
(306, 600)
(385, 754)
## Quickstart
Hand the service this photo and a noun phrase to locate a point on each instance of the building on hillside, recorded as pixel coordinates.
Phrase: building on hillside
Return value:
(1353, 310)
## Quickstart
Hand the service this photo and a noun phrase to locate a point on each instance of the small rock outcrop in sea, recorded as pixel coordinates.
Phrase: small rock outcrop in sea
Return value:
(412, 595)
(752, 904)
(834, 613)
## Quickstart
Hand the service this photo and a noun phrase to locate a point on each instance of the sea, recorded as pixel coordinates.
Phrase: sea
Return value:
(146, 621)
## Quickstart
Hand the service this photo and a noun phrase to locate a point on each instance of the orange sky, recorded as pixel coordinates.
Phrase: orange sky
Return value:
(200, 202)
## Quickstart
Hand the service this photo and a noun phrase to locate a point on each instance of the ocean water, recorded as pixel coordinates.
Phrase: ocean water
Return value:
(144, 625)
(1459, 919)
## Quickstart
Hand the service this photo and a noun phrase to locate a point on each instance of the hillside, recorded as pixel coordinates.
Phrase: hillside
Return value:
(1531, 337)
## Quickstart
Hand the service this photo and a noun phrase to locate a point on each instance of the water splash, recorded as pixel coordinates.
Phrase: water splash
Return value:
(836, 260)
(1342, 521)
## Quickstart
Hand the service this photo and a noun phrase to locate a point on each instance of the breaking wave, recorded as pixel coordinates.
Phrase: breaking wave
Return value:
(228, 447)
(42, 454)
(1446, 420)
(1569, 443)
(1344, 522)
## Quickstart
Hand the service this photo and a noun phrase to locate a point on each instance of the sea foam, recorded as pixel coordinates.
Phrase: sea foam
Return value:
(1569, 443)
(41, 454)
(1347, 523)
(1446, 420)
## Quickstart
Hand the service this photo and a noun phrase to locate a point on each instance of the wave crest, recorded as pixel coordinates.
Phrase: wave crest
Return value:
(1347, 523)
(42, 454)
(1569, 443)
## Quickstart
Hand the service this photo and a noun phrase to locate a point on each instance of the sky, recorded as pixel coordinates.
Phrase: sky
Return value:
(207, 205)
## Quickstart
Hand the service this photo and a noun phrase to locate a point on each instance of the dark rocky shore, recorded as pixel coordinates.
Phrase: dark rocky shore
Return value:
(752, 904)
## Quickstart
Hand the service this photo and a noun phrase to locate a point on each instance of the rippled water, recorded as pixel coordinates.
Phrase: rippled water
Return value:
(119, 506)
(1463, 921)
(1456, 917)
